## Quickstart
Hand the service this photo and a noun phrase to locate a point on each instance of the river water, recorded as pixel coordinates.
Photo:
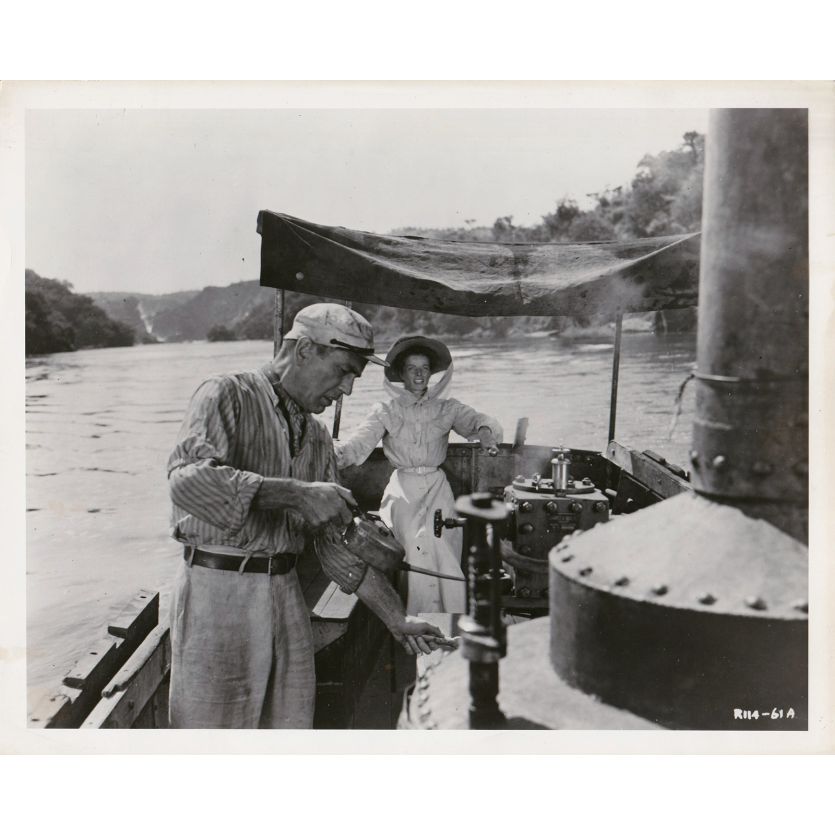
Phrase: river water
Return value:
(100, 425)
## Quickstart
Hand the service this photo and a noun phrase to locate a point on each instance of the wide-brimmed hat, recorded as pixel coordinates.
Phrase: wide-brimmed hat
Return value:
(438, 354)
(336, 326)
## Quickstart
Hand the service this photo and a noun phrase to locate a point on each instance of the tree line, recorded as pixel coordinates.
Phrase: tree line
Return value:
(663, 198)
(57, 319)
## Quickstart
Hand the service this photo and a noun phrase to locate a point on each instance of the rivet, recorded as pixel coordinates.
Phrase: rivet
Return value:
(762, 468)
(801, 606)
(694, 457)
(755, 603)
(801, 468)
(660, 590)
(568, 558)
(584, 572)
(622, 581)
(719, 462)
(299, 276)
(707, 599)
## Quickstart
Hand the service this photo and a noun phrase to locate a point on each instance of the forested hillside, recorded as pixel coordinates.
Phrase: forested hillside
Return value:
(57, 319)
(663, 198)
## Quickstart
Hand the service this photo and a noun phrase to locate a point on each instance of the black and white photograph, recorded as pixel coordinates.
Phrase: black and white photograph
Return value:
(371, 410)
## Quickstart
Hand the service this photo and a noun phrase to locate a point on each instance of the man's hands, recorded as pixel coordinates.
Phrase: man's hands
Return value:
(319, 503)
(323, 503)
(419, 637)
(487, 441)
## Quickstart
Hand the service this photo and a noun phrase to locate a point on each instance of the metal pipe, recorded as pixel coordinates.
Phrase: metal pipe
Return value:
(613, 403)
(750, 435)
(484, 639)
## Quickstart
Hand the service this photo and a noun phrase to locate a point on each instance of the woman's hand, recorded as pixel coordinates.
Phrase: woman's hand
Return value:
(487, 441)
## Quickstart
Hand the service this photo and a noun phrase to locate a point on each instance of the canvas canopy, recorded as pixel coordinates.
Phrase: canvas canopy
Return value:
(479, 279)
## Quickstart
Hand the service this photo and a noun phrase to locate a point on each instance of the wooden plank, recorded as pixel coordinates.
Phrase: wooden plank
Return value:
(97, 667)
(83, 685)
(134, 686)
(649, 472)
(334, 604)
(57, 710)
(326, 632)
(138, 618)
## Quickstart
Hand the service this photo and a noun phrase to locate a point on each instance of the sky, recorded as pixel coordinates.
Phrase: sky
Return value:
(156, 201)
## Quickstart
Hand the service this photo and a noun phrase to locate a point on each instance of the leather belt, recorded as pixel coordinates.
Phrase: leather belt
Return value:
(276, 564)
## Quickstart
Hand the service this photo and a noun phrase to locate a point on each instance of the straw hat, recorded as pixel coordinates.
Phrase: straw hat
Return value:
(438, 354)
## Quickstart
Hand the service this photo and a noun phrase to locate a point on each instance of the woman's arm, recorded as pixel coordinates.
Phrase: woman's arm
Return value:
(358, 445)
(475, 426)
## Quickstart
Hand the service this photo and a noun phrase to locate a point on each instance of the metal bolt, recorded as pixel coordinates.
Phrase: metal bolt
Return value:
(299, 276)
(622, 581)
(755, 603)
(762, 468)
(575, 507)
(694, 457)
(526, 528)
(719, 462)
(707, 599)
(600, 507)
(660, 590)
(801, 606)
(524, 592)
(587, 480)
(584, 572)
(525, 507)
(551, 507)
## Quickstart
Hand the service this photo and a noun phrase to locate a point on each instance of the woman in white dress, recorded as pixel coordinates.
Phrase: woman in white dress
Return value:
(414, 426)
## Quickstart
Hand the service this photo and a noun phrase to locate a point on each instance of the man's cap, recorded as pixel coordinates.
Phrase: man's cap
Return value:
(438, 354)
(336, 326)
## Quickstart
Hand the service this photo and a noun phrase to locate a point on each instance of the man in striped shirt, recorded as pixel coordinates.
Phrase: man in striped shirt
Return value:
(252, 474)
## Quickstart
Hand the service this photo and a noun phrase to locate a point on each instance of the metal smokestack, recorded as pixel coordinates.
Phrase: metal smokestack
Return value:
(750, 435)
(687, 611)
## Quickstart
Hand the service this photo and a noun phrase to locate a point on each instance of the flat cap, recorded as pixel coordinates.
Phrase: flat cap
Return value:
(336, 326)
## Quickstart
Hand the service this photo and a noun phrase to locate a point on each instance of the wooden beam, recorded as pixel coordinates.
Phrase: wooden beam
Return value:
(83, 685)
(135, 685)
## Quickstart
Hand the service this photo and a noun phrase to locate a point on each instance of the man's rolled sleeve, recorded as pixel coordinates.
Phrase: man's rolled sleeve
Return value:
(338, 563)
(220, 496)
(199, 480)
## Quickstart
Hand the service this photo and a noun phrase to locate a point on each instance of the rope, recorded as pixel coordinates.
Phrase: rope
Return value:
(679, 397)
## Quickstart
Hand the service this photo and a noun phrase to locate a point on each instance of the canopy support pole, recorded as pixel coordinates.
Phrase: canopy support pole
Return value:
(278, 321)
(337, 409)
(613, 403)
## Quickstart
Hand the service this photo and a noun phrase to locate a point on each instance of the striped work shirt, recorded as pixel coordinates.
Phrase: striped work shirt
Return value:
(235, 434)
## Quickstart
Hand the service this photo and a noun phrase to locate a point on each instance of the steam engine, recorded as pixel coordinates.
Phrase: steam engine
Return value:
(542, 512)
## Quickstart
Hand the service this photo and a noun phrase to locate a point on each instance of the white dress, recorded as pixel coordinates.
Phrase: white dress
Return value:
(415, 434)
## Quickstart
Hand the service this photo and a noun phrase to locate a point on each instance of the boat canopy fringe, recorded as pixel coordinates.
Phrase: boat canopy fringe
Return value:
(479, 279)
